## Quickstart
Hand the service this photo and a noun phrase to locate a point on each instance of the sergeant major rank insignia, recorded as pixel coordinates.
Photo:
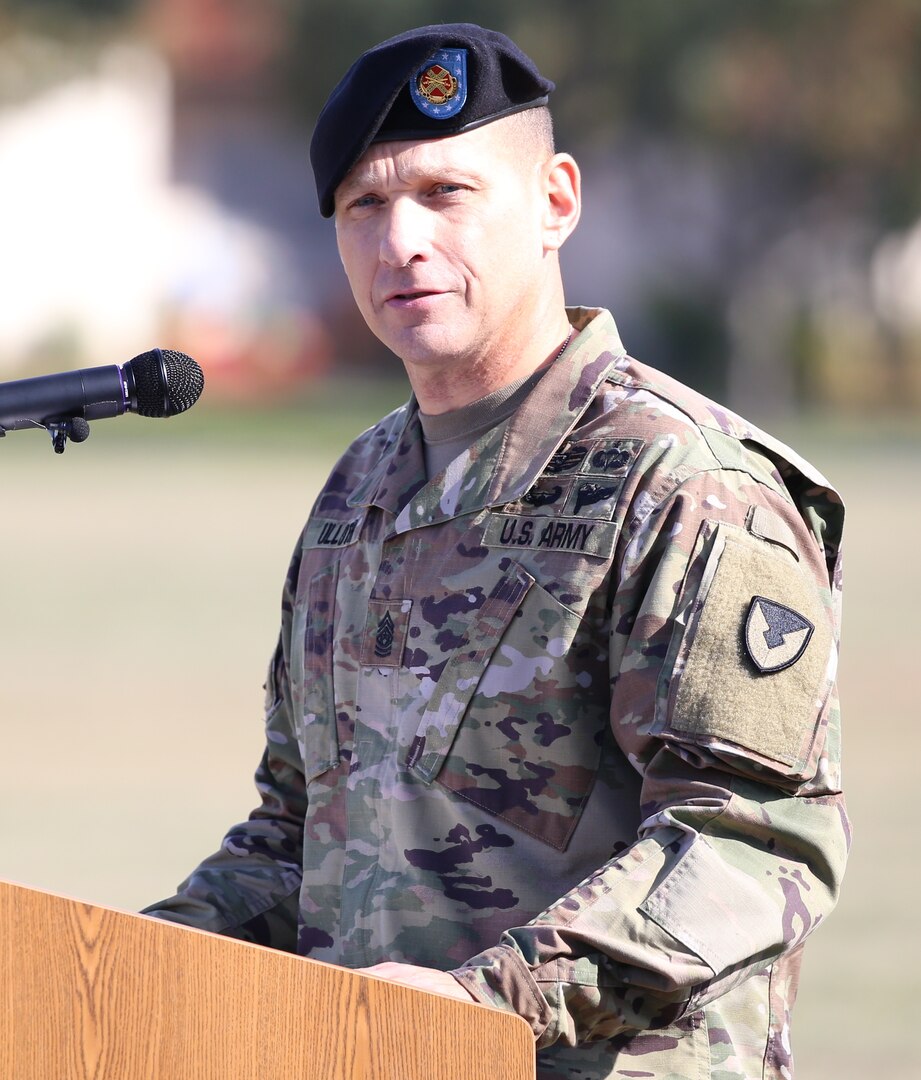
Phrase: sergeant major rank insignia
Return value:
(775, 636)
(439, 87)
(385, 632)
(383, 639)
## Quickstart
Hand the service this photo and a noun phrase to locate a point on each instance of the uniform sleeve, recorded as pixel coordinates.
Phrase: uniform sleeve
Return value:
(723, 645)
(249, 888)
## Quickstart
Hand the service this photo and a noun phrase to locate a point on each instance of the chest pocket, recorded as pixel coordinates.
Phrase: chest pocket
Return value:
(515, 722)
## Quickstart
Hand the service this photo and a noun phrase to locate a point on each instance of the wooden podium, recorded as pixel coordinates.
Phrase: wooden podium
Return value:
(90, 993)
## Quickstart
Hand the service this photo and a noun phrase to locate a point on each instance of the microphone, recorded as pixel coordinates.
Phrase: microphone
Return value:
(160, 382)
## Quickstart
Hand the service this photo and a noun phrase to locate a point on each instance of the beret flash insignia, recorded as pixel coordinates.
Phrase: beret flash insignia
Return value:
(775, 636)
(439, 87)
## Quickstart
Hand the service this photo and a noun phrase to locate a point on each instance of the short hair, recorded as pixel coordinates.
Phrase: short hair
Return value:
(536, 127)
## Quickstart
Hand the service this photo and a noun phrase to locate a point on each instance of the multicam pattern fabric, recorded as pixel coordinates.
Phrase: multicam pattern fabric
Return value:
(514, 730)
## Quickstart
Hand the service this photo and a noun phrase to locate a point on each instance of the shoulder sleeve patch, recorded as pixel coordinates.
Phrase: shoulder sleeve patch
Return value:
(775, 636)
(755, 656)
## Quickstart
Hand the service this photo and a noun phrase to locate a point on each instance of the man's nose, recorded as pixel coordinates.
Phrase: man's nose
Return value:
(407, 233)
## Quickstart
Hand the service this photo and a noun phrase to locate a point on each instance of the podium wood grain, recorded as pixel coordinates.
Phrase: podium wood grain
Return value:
(90, 993)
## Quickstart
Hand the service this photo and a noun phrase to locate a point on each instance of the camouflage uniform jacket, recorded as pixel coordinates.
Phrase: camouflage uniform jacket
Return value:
(561, 720)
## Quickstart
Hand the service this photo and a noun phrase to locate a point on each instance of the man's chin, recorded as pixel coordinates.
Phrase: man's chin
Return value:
(424, 345)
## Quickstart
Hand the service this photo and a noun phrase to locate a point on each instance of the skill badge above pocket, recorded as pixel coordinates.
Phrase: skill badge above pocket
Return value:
(612, 457)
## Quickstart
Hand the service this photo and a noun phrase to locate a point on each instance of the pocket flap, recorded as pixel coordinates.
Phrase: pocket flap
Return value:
(462, 673)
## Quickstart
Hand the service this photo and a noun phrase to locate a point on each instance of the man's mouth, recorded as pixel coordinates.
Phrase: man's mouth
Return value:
(411, 294)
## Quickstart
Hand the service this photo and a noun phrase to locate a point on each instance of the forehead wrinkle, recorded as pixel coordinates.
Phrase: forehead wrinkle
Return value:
(407, 161)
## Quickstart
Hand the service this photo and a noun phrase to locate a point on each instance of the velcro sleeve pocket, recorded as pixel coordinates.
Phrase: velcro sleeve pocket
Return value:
(716, 909)
(752, 655)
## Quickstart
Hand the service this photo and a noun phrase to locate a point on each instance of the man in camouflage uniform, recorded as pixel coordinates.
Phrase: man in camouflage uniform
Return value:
(551, 723)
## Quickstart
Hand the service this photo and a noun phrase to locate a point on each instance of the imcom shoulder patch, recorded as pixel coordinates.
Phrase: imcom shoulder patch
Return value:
(776, 636)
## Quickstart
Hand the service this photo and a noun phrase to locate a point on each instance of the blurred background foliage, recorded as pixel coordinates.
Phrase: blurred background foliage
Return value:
(753, 183)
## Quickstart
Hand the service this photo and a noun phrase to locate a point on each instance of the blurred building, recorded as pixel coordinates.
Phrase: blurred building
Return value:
(109, 249)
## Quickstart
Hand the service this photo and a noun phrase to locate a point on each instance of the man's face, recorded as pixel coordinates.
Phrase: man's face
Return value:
(442, 243)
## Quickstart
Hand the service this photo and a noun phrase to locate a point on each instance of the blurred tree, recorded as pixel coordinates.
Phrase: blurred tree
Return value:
(87, 8)
(819, 85)
(815, 87)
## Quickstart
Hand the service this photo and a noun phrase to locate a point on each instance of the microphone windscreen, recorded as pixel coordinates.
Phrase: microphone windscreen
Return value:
(166, 382)
(184, 381)
(79, 430)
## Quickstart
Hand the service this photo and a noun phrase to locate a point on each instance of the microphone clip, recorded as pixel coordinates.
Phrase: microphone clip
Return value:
(61, 429)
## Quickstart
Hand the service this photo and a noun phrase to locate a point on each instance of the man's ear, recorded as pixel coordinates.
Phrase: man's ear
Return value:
(563, 194)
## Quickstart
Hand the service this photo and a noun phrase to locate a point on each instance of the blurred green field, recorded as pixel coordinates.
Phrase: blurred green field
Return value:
(140, 580)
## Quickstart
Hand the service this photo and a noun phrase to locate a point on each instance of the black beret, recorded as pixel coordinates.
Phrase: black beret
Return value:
(424, 84)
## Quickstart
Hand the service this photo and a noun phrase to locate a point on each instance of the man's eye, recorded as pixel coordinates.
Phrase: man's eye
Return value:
(447, 189)
(364, 201)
